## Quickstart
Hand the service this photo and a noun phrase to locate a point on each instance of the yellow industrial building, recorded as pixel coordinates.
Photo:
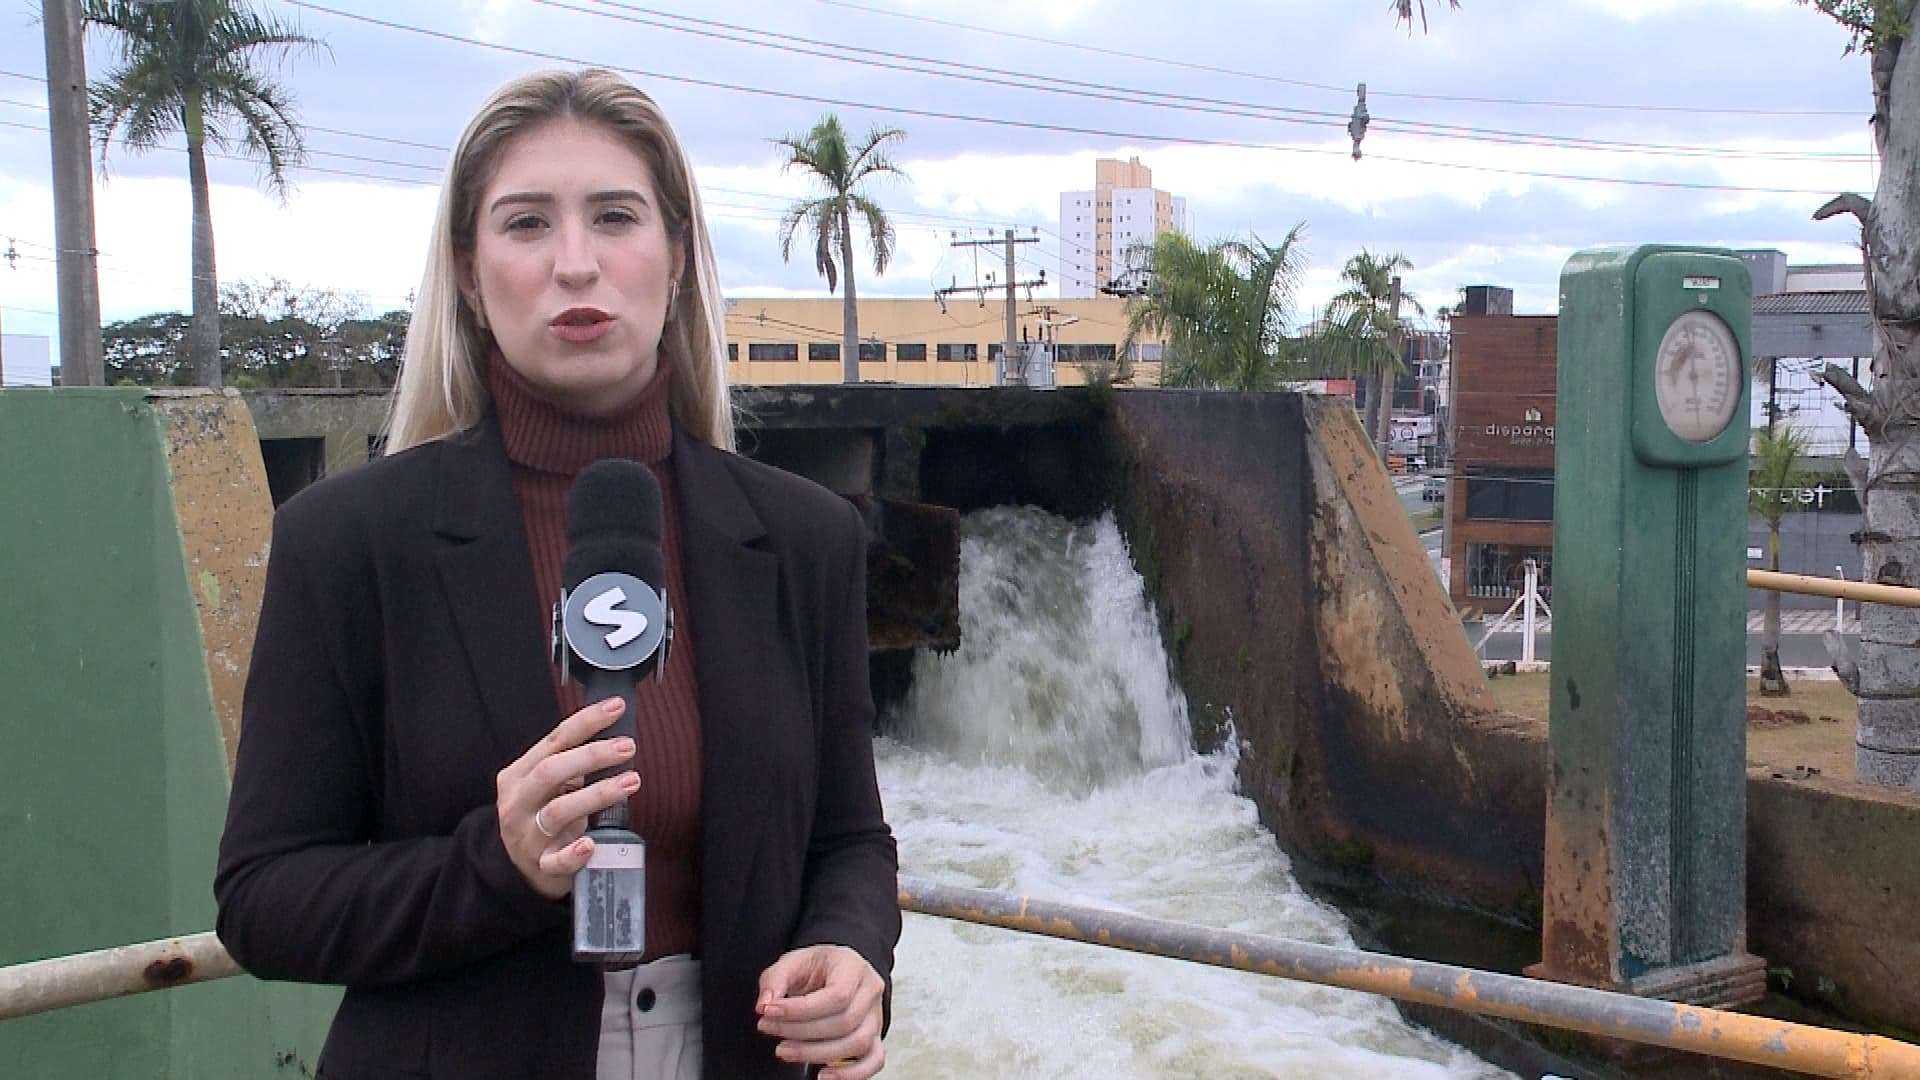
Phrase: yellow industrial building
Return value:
(774, 341)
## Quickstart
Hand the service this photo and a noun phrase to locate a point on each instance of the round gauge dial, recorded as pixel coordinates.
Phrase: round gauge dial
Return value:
(1697, 376)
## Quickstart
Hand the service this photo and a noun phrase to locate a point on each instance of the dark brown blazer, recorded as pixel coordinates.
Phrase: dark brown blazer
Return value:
(397, 669)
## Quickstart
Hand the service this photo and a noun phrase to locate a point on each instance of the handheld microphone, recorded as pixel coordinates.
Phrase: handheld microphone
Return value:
(612, 626)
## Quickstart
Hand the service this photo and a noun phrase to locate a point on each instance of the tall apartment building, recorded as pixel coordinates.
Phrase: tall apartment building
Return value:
(1098, 227)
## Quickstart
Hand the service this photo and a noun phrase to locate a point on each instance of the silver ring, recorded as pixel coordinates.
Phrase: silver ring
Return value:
(541, 824)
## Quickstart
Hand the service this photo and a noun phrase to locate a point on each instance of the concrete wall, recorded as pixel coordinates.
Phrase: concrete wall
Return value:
(130, 527)
(1301, 607)
(1831, 887)
(346, 419)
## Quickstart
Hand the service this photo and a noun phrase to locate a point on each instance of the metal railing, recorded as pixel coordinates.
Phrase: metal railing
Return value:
(65, 981)
(1867, 592)
(1712, 1032)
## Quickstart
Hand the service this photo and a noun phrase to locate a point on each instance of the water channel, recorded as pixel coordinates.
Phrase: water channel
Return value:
(1050, 756)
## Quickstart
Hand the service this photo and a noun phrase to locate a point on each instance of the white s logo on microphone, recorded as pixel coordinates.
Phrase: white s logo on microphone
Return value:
(605, 610)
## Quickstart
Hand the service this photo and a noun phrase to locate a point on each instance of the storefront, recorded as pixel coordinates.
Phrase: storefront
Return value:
(1499, 505)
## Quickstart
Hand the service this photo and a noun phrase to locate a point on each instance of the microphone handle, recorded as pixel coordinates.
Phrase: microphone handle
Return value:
(598, 685)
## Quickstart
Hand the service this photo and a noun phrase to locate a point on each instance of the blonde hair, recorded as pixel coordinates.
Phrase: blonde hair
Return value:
(441, 390)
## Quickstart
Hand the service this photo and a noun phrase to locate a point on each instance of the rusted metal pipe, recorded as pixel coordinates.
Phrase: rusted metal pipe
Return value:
(44, 985)
(1712, 1032)
(1808, 585)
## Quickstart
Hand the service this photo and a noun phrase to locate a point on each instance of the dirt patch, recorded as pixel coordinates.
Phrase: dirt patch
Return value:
(1811, 736)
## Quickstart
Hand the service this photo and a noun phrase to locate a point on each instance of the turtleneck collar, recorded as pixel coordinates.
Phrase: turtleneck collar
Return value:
(546, 436)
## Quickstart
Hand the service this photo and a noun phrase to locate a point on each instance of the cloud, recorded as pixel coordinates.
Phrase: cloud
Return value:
(1474, 99)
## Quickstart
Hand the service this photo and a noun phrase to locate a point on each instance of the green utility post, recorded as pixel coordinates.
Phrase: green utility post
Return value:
(1645, 885)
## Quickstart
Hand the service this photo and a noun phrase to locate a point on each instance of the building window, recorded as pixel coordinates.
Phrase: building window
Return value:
(966, 353)
(1510, 495)
(783, 351)
(1499, 571)
(1085, 354)
(733, 351)
(818, 352)
(914, 353)
(873, 352)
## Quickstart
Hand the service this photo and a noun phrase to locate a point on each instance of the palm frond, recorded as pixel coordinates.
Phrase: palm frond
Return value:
(879, 231)
(870, 159)
(269, 131)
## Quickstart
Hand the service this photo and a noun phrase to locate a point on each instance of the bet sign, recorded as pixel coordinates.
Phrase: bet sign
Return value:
(1531, 431)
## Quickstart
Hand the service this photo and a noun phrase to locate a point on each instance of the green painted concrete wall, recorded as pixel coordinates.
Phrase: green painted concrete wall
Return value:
(112, 771)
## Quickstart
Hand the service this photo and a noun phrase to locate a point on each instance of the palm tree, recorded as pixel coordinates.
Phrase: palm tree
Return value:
(1225, 310)
(1365, 334)
(841, 170)
(1779, 472)
(1883, 670)
(1403, 9)
(192, 66)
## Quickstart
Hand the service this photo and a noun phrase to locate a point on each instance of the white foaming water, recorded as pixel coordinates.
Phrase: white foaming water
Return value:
(1050, 756)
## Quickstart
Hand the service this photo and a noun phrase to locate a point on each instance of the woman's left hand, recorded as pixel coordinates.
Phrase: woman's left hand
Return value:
(823, 1003)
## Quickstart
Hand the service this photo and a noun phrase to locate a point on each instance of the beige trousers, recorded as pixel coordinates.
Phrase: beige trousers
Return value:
(650, 1022)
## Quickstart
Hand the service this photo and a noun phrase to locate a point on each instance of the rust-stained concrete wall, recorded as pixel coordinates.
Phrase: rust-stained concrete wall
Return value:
(1301, 605)
(1429, 783)
(219, 492)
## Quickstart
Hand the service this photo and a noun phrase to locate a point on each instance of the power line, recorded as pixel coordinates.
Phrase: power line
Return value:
(1055, 43)
(1068, 129)
(726, 212)
(917, 65)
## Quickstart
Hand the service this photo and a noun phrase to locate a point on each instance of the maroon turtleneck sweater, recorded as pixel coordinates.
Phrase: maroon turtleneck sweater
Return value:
(547, 445)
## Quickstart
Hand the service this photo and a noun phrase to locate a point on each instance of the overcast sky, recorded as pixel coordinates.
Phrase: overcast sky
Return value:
(1499, 143)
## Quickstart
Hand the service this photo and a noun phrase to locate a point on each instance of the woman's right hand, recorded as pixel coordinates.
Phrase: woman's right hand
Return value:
(542, 800)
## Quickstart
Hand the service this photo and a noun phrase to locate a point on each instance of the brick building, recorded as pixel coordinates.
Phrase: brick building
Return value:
(1499, 502)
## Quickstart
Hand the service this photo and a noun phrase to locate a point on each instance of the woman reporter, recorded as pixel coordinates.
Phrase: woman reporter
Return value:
(409, 804)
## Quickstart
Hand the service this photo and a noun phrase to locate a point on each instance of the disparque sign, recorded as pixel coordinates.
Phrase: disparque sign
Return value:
(1532, 431)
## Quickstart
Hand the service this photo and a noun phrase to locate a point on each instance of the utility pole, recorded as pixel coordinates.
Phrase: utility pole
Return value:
(81, 361)
(1397, 341)
(1050, 341)
(1012, 283)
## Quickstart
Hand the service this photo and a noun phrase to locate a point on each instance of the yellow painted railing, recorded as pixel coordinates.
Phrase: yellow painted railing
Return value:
(1869, 592)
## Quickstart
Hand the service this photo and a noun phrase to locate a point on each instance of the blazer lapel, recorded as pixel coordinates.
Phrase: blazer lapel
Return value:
(486, 573)
(733, 600)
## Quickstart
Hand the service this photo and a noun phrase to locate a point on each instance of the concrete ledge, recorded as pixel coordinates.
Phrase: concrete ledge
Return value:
(1831, 887)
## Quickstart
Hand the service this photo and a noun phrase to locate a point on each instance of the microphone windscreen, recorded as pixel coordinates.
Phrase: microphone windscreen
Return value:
(614, 524)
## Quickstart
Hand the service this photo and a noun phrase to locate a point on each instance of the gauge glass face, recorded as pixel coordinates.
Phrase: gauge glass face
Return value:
(1697, 377)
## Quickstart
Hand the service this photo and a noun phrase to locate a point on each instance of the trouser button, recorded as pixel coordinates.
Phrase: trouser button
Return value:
(644, 1000)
